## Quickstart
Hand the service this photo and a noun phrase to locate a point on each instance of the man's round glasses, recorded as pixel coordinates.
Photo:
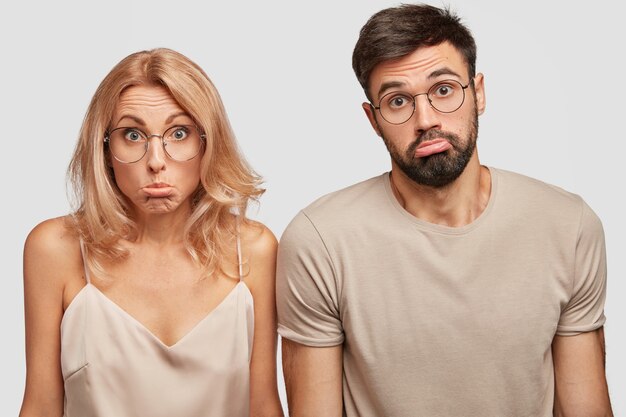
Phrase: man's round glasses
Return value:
(130, 144)
(398, 107)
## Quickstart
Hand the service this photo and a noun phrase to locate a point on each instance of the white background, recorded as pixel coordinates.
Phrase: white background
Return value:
(554, 77)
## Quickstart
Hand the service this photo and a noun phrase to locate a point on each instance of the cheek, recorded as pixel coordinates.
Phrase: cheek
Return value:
(188, 175)
(125, 177)
(460, 126)
(401, 136)
(196, 176)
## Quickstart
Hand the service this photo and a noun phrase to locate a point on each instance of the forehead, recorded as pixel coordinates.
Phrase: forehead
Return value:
(148, 102)
(420, 68)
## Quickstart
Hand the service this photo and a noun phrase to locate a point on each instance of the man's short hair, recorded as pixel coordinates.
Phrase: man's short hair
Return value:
(398, 31)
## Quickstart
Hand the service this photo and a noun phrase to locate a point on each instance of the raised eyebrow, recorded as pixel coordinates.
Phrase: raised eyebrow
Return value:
(174, 116)
(135, 119)
(442, 71)
(389, 85)
(140, 121)
(395, 84)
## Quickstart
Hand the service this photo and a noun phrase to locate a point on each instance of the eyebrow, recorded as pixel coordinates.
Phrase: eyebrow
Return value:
(389, 85)
(140, 121)
(437, 73)
(442, 71)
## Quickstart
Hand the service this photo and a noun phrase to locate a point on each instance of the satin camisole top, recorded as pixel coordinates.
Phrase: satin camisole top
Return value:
(113, 366)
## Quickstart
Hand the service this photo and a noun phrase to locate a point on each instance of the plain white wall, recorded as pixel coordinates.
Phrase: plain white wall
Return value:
(554, 76)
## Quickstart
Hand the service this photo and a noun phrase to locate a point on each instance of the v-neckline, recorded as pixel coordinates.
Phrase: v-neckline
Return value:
(144, 328)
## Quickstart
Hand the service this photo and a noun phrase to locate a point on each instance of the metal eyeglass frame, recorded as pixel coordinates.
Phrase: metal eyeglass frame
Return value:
(427, 94)
(107, 140)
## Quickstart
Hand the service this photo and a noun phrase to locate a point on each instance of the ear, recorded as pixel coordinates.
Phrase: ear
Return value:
(371, 116)
(479, 90)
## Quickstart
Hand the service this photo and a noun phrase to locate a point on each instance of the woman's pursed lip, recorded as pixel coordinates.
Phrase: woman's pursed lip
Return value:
(157, 185)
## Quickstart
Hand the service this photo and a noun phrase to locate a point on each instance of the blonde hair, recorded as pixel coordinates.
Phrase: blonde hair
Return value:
(227, 183)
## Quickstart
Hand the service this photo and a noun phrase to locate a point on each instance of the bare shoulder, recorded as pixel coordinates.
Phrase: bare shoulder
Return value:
(51, 249)
(51, 237)
(259, 246)
(259, 239)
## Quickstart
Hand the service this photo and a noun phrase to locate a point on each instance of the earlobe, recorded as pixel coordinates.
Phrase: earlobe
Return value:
(369, 112)
(479, 90)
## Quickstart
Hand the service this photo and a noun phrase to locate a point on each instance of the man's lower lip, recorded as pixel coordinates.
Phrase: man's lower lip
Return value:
(432, 147)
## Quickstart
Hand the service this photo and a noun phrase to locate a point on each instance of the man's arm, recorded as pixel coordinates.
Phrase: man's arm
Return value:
(313, 378)
(309, 321)
(580, 382)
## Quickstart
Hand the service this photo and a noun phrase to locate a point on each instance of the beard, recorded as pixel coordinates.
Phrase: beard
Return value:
(440, 169)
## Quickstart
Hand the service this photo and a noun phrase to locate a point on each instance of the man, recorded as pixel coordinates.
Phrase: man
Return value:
(442, 288)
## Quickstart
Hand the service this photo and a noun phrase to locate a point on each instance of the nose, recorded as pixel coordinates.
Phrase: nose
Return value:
(155, 156)
(425, 116)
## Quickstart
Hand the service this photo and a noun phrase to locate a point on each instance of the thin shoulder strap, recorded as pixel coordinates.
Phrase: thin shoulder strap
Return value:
(239, 257)
(82, 255)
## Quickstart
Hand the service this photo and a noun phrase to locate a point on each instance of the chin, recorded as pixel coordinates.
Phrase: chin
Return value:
(159, 206)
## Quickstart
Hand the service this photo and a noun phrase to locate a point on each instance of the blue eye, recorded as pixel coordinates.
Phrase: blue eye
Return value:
(132, 135)
(179, 134)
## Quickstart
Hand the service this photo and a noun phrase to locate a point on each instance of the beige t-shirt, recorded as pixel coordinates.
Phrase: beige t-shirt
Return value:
(442, 321)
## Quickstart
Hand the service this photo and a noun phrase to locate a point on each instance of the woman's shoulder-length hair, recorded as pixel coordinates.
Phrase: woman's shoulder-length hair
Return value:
(227, 183)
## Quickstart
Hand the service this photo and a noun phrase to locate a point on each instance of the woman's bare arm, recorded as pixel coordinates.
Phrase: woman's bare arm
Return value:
(49, 259)
(260, 250)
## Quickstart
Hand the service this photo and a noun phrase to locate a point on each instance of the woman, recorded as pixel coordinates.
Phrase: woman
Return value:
(156, 296)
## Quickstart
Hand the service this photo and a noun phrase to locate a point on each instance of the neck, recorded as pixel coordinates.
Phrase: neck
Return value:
(161, 229)
(457, 204)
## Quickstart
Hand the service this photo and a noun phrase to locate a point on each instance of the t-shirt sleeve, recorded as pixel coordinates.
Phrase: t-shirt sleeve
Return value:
(306, 287)
(585, 310)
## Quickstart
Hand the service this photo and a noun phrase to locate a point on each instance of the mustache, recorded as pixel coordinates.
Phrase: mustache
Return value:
(434, 134)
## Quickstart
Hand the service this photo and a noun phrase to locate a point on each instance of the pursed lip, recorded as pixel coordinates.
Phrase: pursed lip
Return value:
(158, 189)
(430, 147)
(158, 185)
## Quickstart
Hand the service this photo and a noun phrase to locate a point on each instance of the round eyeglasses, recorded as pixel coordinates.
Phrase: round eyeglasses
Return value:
(130, 144)
(446, 96)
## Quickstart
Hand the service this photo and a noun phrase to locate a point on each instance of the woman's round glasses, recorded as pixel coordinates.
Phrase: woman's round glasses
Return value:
(397, 107)
(130, 144)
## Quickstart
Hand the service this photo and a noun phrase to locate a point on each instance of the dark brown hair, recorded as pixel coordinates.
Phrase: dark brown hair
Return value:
(398, 31)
